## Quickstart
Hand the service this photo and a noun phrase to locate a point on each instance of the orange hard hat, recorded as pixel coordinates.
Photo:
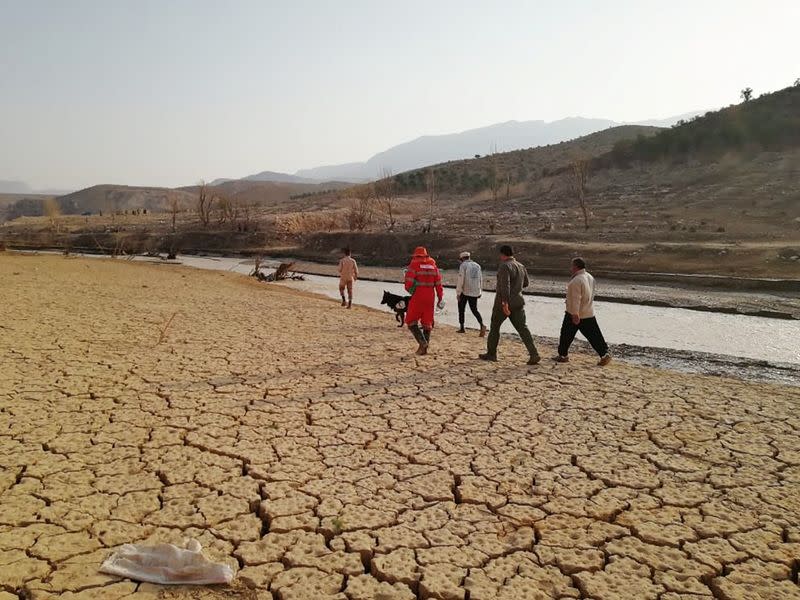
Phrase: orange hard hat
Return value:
(420, 251)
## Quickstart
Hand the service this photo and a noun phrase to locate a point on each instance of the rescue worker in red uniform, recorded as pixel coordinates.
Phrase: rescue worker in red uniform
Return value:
(424, 283)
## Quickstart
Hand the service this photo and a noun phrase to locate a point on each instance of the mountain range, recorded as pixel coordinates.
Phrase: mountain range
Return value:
(500, 137)
(431, 149)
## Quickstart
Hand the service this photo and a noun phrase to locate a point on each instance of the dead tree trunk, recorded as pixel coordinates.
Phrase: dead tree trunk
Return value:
(431, 198)
(580, 169)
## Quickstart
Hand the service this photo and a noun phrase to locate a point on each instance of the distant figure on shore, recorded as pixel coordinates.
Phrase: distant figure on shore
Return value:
(580, 315)
(348, 273)
(424, 283)
(509, 303)
(468, 289)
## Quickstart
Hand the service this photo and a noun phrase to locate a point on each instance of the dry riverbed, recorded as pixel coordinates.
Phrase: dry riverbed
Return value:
(304, 445)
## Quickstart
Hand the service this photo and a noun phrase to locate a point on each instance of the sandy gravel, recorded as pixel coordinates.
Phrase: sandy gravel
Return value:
(303, 444)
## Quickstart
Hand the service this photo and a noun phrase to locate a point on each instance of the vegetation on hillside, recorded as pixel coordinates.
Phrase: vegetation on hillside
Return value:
(768, 123)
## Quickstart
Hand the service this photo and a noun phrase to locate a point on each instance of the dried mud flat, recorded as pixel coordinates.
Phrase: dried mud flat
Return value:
(302, 444)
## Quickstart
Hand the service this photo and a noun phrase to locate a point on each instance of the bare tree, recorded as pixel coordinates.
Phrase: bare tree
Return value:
(746, 94)
(580, 171)
(386, 194)
(797, 82)
(204, 204)
(174, 204)
(227, 210)
(245, 212)
(52, 211)
(494, 175)
(430, 182)
(361, 211)
(112, 204)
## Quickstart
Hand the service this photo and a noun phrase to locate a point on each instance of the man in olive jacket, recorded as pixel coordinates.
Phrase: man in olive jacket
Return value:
(512, 278)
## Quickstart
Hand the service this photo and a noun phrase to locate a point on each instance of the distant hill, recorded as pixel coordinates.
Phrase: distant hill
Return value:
(270, 176)
(109, 198)
(500, 137)
(768, 123)
(115, 198)
(13, 205)
(473, 175)
(272, 196)
(99, 198)
(354, 172)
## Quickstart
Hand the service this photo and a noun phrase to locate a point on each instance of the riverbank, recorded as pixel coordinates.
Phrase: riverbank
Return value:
(304, 445)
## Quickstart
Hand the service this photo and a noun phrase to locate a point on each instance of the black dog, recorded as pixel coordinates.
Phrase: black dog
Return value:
(399, 304)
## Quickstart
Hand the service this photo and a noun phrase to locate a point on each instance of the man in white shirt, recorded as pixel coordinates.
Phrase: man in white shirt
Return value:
(468, 289)
(580, 315)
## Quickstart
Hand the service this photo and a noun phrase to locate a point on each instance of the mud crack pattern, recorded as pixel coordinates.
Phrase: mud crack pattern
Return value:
(303, 445)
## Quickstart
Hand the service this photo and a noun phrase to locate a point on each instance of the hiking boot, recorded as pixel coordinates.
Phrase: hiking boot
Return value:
(421, 339)
(462, 330)
(534, 360)
(604, 361)
(489, 357)
(344, 302)
(349, 304)
(483, 331)
(561, 359)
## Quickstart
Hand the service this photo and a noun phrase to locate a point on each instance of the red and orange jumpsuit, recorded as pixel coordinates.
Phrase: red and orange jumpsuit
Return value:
(424, 283)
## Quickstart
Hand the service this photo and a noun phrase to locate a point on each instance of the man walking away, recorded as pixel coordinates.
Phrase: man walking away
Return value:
(468, 289)
(512, 278)
(580, 315)
(424, 283)
(348, 273)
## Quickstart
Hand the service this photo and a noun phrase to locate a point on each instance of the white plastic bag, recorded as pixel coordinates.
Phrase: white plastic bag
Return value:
(166, 564)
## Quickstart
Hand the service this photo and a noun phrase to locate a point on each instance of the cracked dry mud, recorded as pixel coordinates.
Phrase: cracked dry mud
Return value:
(303, 444)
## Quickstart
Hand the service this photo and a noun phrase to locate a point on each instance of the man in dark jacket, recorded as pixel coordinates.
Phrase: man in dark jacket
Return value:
(509, 303)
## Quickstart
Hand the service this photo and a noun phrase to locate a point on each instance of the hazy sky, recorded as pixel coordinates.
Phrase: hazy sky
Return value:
(165, 92)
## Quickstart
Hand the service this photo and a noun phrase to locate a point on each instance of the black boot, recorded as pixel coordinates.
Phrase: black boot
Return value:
(420, 337)
(427, 334)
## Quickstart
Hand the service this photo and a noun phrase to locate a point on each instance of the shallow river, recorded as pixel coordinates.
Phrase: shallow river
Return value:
(755, 338)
